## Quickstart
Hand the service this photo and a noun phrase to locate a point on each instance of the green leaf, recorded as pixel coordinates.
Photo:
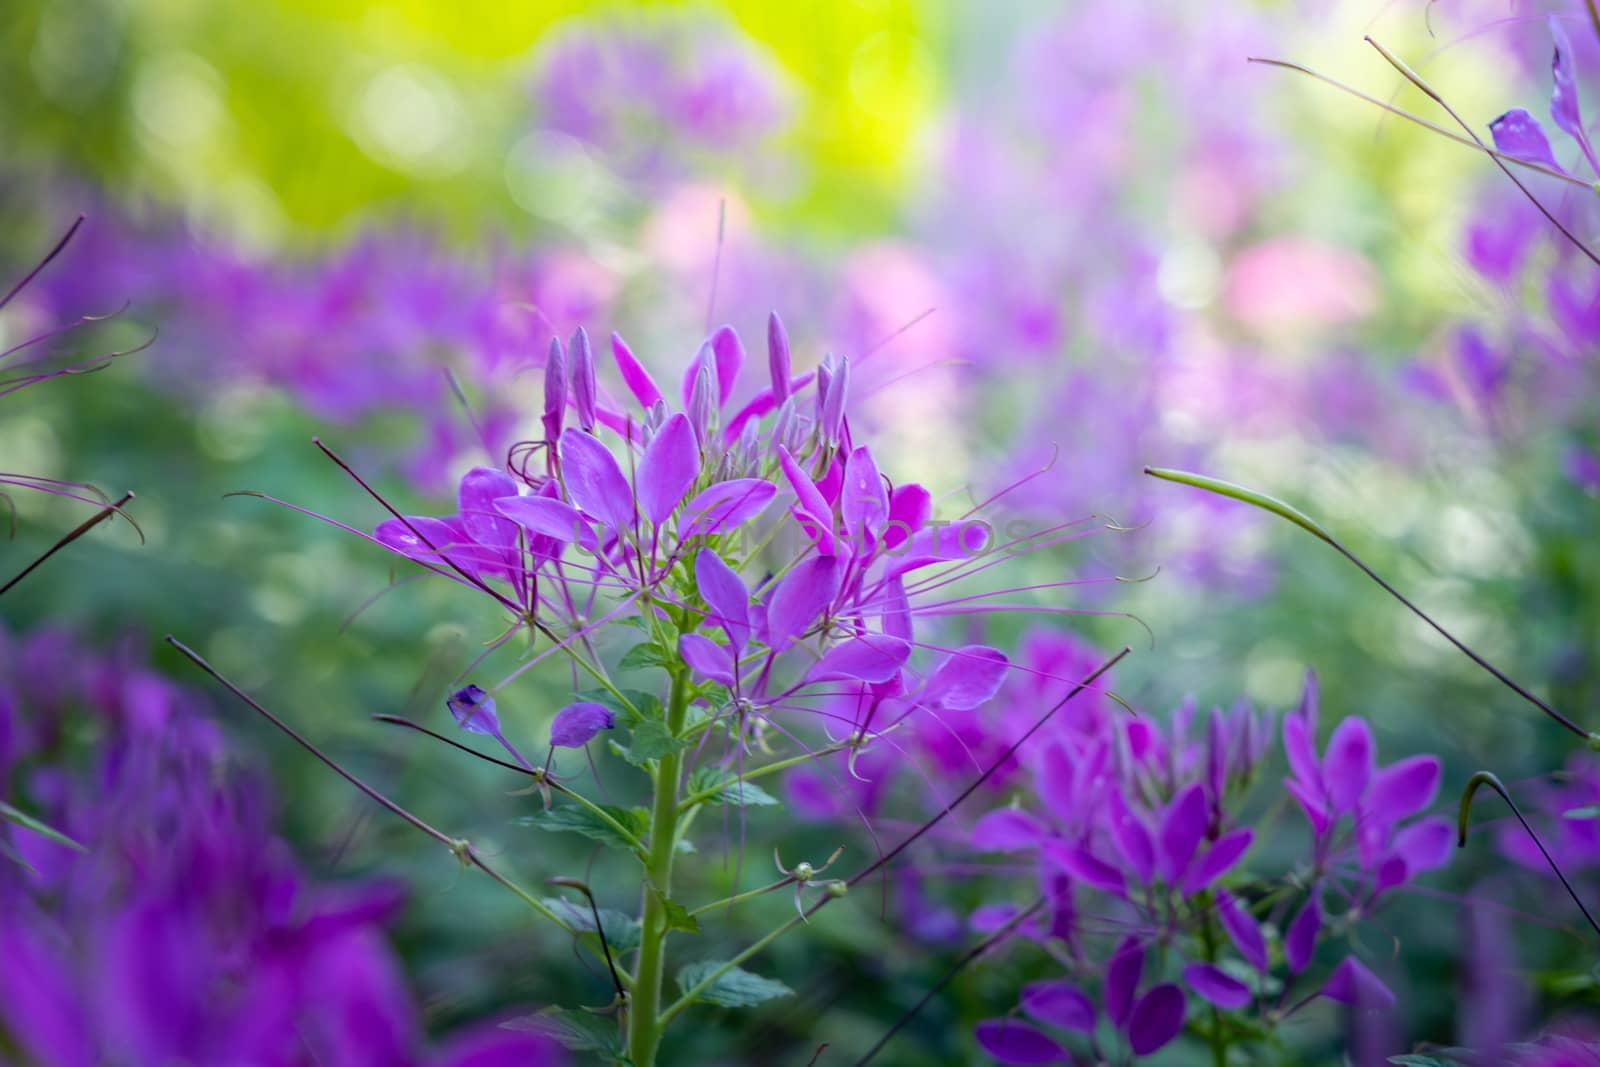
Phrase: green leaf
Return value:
(678, 917)
(577, 819)
(650, 741)
(737, 988)
(622, 931)
(644, 654)
(28, 822)
(1417, 1059)
(578, 1031)
(1590, 812)
(734, 790)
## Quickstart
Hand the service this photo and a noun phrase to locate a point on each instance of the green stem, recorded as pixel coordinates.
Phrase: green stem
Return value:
(1208, 938)
(739, 898)
(644, 1027)
(760, 772)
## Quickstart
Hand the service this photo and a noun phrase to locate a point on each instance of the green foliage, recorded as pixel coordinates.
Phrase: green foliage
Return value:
(736, 988)
(733, 790)
(577, 819)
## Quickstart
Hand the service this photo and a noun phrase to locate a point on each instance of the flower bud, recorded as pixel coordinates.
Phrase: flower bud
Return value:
(583, 387)
(555, 392)
(778, 357)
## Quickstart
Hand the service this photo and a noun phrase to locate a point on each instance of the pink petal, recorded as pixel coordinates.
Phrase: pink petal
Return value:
(800, 599)
(1008, 830)
(1122, 979)
(707, 658)
(726, 506)
(543, 515)
(1131, 836)
(1352, 983)
(593, 479)
(669, 467)
(1301, 939)
(725, 594)
(969, 677)
(813, 512)
(870, 658)
(634, 376)
(1517, 133)
(1425, 844)
(1081, 864)
(1242, 930)
(1347, 764)
(864, 502)
(1182, 827)
(1402, 789)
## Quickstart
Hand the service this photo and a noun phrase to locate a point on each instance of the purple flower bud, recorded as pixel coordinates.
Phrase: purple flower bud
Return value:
(474, 711)
(576, 724)
(555, 392)
(583, 387)
(702, 404)
(778, 357)
(729, 353)
(830, 410)
(786, 429)
(1517, 133)
(1564, 93)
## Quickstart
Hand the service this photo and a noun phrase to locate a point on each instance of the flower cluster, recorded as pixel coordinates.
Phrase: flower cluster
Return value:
(171, 923)
(1140, 836)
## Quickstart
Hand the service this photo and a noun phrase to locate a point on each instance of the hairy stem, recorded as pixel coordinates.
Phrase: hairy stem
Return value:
(644, 1026)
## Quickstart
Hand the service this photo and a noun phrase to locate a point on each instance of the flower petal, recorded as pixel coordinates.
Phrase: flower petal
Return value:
(1347, 764)
(1122, 979)
(1059, 1003)
(670, 464)
(1182, 827)
(1517, 133)
(870, 658)
(1008, 830)
(800, 599)
(576, 724)
(594, 480)
(1156, 1019)
(1425, 844)
(1013, 1042)
(969, 677)
(707, 658)
(864, 502)
(1216, 985)
(910, 508)
(1402, 789)
(726, 506)
(1352, 983)
(1301, 939)
(812, 512)
(1218, 859)
(475, 498)
(1081, 864)
(725, 594)
(1131, 836)
(1242, 930)
(544, 515)
(634, 376)
(474, 711)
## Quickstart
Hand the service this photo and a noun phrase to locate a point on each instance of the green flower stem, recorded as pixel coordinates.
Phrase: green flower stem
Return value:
(760, 772)
(739, 898)
(644, 1026)
(1208, 938)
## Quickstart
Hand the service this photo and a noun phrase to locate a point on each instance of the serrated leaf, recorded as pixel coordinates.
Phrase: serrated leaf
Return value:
(734, 790)
(577, 1031)
(650, 741)
(737, 988)
(644, 654)
(574, 818)
(622, 931)
(28, 822)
